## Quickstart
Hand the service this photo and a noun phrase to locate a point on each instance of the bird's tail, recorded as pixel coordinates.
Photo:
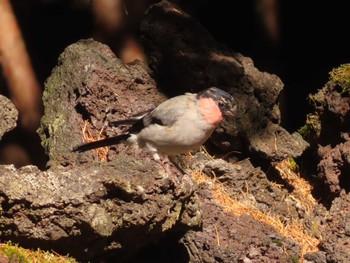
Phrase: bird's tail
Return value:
(101, 143)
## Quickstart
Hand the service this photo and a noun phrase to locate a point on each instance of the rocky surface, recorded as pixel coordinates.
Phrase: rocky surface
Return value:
(119, 205)
(331, 130)
(8, 115)
(93, 211)
(116, 203)
(336, 242)
(327, 130)
(96, 88)
(224, 238)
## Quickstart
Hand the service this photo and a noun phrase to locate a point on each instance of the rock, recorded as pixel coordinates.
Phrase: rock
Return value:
(82, 205)
(91, 85)
(315, 257)
(8, 116)
(94, 211)
(336, 235)
(333, 165)
(187, 58)
(327, 130)
(228, 238)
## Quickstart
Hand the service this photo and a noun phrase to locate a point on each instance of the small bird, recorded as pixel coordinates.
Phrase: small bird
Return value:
(177, 125)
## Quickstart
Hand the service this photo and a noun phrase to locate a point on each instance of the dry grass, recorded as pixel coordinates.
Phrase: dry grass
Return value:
(302, 189)
(88, 137)
(293, 230)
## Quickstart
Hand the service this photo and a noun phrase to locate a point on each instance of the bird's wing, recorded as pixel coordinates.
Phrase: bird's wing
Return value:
(131, 120)
(167, 113)
(174, 109)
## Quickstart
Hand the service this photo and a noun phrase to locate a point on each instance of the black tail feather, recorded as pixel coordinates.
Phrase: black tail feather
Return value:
(130, 121)
(101, 143)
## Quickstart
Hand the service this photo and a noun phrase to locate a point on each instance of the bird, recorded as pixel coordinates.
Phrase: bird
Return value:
(177, 125)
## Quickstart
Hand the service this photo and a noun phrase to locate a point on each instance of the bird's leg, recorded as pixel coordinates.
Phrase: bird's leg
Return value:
(166, 164)
(159, 160)
(185, 175)
(172, 160)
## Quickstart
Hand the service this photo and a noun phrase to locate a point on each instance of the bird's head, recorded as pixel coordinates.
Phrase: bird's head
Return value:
(224, 101)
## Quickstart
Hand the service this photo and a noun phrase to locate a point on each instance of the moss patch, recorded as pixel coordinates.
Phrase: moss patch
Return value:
(341, 75)
(17, 254)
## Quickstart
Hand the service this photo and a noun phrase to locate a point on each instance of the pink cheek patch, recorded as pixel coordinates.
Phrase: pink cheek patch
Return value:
(210, 111)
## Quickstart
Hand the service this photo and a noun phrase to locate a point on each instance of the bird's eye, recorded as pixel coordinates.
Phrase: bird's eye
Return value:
(221, 104)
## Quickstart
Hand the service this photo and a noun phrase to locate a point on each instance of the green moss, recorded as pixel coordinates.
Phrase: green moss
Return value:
(294, 259)
(341, 75)
(311, 128)
(293, 165)
(339, 81)
(277, 241)
(13, 253)
(20, 255)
